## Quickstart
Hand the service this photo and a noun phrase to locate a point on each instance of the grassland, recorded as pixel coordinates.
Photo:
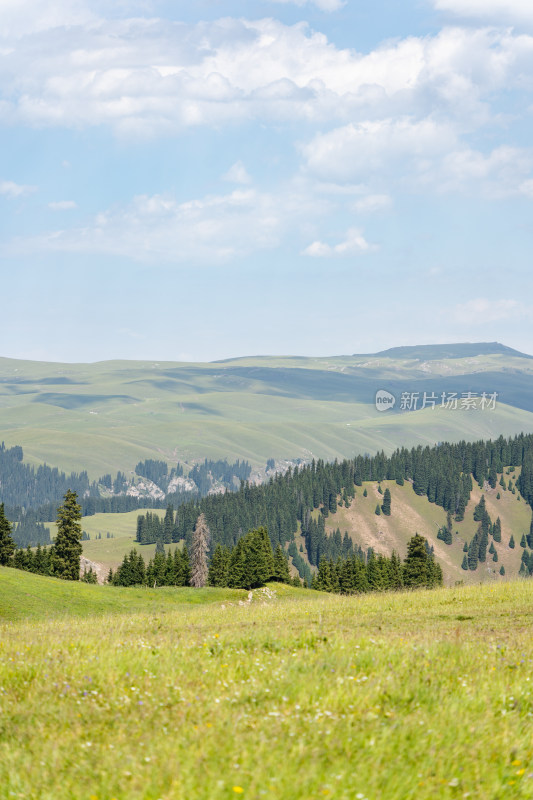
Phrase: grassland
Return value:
(106, 417)
(110, 552)
(295, 695)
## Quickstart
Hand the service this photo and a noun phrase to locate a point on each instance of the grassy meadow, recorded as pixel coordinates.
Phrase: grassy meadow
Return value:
(293, 695)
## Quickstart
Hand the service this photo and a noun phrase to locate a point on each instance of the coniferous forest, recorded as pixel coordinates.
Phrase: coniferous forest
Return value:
(300, 500)
(288, 503)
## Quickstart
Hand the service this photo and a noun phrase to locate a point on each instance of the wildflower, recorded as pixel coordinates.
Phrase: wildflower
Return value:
(238, 789)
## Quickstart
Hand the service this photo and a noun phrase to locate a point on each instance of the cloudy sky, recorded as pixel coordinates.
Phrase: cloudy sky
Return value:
(192, 181)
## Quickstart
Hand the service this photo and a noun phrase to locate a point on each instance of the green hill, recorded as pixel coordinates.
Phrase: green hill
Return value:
(107, 416)
(432, 352)
(24, 596)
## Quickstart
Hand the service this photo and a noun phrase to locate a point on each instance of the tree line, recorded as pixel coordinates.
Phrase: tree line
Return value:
(288, 504)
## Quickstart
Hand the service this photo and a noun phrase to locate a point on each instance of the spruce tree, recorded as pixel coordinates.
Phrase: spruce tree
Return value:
(502, 570)
(7, 545)
(386, 505)
(378, 510)
(512, 542)
(416, 570)
(200, 546)
(473, 553)
(523, 542)
(218, 568)
(67, 548)
(464, 565)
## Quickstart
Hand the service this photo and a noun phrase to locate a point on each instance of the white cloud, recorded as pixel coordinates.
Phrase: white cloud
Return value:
(357, 151)
(417, 154)
(211, 230)
(481, 310)
(372, 203)
(354, 244)
(323, 5)
(504, 10)
(150, 76)
(62, 205)
(237, 174)
(11, 189)
(24, 17)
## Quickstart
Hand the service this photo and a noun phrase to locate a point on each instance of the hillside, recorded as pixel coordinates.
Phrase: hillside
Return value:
(296, 694)
(107, 416)
(412, 513)
(24, 596)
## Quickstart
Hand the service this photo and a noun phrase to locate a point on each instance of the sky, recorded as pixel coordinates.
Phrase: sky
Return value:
(196, 181)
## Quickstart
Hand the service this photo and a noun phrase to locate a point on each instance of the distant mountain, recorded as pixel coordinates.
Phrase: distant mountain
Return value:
(106, 417)
(433, 352)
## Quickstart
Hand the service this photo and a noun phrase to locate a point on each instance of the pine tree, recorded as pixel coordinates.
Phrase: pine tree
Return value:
(512, 542)
(464, 565)
(523, 542)
(416, 570)
(67, 548)
(218, 568)
(502, 570)
(7, 545)
(473, 553)
(378, 510)
(386, 505)
(200, 546)
(497, 531)
(281, 566)
(168, 525)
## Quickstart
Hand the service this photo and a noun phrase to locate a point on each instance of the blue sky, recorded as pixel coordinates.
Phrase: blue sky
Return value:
(193, 181)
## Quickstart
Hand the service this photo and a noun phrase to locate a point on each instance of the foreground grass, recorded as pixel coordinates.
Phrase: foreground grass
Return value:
(299, 695)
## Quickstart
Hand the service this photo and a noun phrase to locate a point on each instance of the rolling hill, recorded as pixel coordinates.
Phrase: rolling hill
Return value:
(107, 416)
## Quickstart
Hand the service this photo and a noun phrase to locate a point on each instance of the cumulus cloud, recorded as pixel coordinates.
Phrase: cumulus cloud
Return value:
(504, 10)
(354, 244)
(62, 205)
(418, 154)
(237, 174)
(150, 76)
(11, 189)
(482, 310)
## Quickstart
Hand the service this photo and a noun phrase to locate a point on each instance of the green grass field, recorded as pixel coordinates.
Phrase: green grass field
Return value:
(107, 416)
(110, 552)
(295, 695)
